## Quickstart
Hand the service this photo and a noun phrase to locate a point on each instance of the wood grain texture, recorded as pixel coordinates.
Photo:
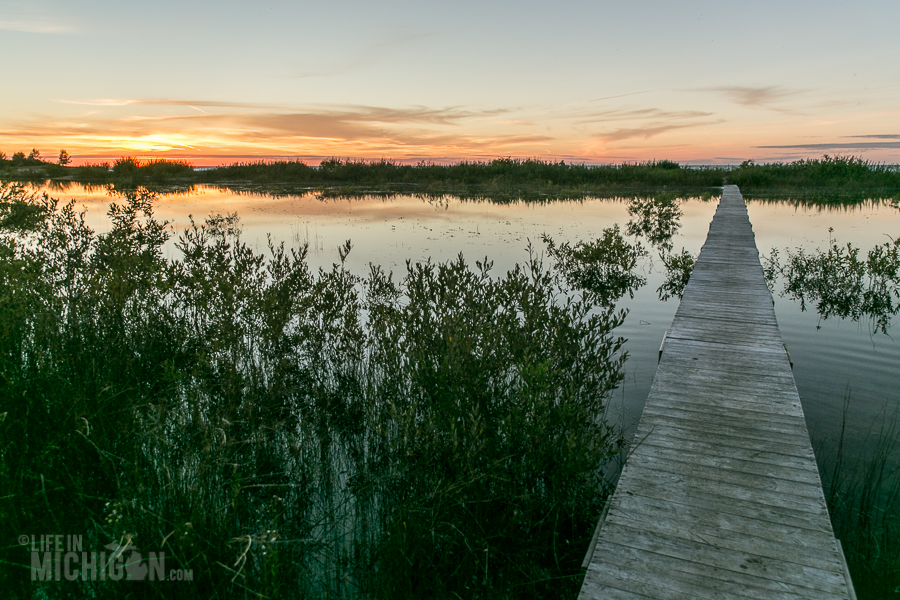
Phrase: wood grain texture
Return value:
(720, 496)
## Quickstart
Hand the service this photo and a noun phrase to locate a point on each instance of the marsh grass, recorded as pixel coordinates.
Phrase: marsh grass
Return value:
(863, 492)
(501, 180)
(829, 180)
(288, 433)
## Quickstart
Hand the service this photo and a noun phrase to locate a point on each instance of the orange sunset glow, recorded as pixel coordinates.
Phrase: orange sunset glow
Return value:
(585, 82)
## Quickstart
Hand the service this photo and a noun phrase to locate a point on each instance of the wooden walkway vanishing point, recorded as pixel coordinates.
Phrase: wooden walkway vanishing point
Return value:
(720, 496)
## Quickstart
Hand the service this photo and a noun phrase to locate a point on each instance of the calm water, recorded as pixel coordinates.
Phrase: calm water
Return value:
(830, 356)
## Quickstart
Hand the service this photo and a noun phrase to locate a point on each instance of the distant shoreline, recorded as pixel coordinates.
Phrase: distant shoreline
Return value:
(829, 179)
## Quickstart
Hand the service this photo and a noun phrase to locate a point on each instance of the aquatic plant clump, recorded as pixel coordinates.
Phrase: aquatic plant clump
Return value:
(279, 432)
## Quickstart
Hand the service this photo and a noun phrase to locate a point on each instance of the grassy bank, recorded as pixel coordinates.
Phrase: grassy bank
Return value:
(830, 179)
(281, 433)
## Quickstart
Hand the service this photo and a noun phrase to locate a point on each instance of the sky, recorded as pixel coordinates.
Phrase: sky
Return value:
(587, 82)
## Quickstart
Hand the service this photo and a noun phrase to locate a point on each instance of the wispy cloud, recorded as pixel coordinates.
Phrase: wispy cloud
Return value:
(877, 136)
(604, 98)
(839, 146)
(642, 122)
(29, 26)
(634, 114)
(367, 57)
(762, 96)
(329, 130)
(165, 102)
(648, 131)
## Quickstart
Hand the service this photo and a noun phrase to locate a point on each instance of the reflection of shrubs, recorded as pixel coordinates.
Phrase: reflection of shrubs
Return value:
(842, 284)
(291, 433)
(20, 210)
(658, 219)
(678, 272)
(604, 268)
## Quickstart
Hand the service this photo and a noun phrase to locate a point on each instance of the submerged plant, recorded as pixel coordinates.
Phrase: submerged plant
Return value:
(863, 493)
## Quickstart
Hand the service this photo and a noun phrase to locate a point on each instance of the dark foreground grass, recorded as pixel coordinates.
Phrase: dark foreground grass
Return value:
(863, 493)
(827, 180)
(282, 433)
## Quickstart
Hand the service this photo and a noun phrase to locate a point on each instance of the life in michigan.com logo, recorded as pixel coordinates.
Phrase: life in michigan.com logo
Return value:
(62, 557)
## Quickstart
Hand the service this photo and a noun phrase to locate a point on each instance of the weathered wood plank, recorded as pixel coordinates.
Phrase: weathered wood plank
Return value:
(712, 429)
(716, 505)
(828, 582)
(757, 426)
(690, 580)
(809, 556)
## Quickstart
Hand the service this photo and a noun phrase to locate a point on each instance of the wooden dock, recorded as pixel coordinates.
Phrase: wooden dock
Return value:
(720, 496)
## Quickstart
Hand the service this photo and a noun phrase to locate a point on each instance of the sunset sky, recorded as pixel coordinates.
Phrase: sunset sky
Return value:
(594, 82)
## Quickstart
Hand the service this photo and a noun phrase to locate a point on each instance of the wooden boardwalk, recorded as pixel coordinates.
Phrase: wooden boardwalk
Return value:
(720, 496)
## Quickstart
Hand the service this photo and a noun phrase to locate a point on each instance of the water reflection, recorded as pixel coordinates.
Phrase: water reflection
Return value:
(678, 272)
(841, 283)
(118, 189)
(604, 269)
(656, 219)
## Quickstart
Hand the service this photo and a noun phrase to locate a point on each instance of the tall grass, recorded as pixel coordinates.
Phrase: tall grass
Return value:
(499, 180)
(829, 180)
(863, 494)
(288, 433)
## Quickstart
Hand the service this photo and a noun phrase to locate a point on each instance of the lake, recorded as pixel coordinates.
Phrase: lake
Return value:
(831, 356)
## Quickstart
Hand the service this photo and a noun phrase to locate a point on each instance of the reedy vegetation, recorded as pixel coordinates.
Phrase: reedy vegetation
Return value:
(285, 433)
(862, 488)
(828, 180)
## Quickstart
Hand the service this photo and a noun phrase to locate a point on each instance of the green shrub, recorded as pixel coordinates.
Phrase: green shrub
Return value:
(285, 433)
